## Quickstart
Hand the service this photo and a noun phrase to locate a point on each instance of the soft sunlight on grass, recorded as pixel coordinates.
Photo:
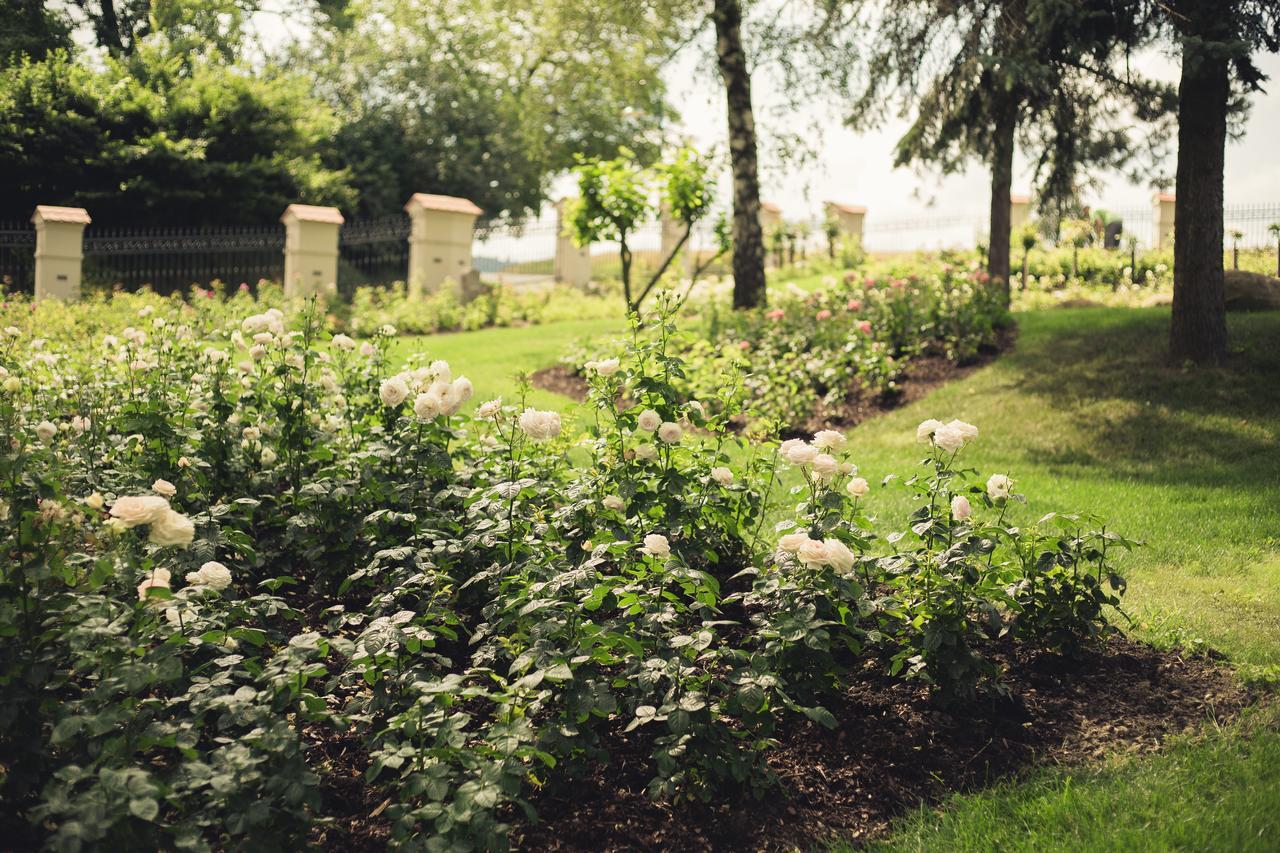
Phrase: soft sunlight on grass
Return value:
(1220, 791)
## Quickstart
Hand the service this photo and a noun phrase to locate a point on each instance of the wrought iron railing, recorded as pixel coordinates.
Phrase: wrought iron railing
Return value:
(174, 259)
(372, 252)
(17, 257)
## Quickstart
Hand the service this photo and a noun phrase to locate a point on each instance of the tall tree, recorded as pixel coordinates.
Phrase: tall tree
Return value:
(977, 77)
(748, 237)
(431, 105)
(1217, 41)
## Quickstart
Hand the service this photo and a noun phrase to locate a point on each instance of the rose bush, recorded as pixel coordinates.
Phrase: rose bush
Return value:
(237, 546)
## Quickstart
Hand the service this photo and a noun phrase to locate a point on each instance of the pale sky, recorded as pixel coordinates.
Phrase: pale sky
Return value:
(858, 167)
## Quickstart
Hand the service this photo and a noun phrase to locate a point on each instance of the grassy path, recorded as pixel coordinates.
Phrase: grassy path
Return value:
(1085, 417)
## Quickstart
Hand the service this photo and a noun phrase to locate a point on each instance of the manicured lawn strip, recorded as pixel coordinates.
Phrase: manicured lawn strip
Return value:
(1219, 791)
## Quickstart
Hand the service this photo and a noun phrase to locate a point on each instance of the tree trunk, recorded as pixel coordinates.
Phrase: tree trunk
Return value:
(1198, 332)
(748, 240)
(1001, 219)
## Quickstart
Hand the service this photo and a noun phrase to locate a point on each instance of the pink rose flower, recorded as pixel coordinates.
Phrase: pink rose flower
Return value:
(776, 314)
(824, 314)
(864, 326)
(855, 305)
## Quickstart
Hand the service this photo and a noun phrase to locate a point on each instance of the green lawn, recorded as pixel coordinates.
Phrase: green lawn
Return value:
(1085, 416)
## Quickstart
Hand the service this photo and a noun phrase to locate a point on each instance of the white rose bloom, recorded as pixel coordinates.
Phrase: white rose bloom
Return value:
(825, 466)
(802, 454)
(172, 528)
(606, 367)
(948, 438)
(792, 541)
(858, 487)
(839, 557)
(812, 552)
(647, 452)
(268, 456)
(829, 439)
(367, 349)
(695, 406)
(393, 392)
(926, 429)
(441, 370)
(969, 431)
(164, 488)
(140, 509)
(45, 431)
(649, 420)
(263, 338)
(656, 545)
(489, 410)
(722, 475)
(614, 503)
(848, 468)
(212, 574)
(153, 582)
(670, 432)
(80, 424)
(93, 501)
(463, 388)
(999, 486)
(257, 352)
(251, 433)
(387, 330)
(960, 509)
(343, 342)
(426, 406)
(12, 384)
(540, 426)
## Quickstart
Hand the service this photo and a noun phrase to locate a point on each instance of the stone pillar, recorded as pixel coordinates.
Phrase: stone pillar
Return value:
(59, 250)
(310, 249)
(851, 218)
(1162, 208)
(573, 262)
(1019, 211)
(770, 218)
(439, 240)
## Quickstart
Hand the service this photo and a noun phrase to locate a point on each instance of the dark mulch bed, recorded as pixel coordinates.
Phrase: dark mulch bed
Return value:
(894, 749)
(923, 374)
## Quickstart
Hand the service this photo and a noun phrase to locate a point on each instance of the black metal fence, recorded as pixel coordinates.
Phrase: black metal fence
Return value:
(17, 257)
(174, 259)
(372, 252)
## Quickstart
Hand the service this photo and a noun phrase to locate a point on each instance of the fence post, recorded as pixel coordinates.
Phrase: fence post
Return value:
(852, 218)
(310, 249)
(1019, 211)
(439, 240)
(1162, 210)
(59, 250)
(573, 262)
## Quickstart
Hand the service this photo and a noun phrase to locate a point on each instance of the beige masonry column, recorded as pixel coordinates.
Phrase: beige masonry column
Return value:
(1019, 211)
(851, 218)
(770, 221)
(59, 250)
(310, 249)
(573, 262)
(439, 240)
(1162, 208)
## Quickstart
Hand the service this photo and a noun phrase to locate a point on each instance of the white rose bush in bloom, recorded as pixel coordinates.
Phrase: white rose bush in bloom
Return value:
(244, 542)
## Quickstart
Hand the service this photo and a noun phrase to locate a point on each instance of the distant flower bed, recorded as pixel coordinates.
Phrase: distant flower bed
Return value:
(224, 565)
(855, 335)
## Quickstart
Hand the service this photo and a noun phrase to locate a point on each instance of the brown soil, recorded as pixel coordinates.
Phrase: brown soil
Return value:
(894, 749)
(923, 374)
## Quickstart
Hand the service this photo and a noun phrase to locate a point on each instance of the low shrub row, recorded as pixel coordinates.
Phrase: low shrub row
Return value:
(219, 559)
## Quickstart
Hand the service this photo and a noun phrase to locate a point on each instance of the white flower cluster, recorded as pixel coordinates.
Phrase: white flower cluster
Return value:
(166, 525)
(816, 553)
(437, 391)
(814, 456)
(949, 437)
(656, 545)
